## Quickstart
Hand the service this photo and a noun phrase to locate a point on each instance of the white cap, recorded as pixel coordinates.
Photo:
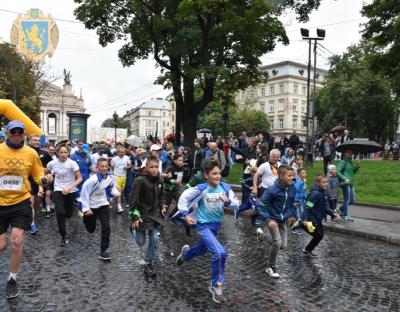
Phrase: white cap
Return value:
(331, 167)
(155, 147)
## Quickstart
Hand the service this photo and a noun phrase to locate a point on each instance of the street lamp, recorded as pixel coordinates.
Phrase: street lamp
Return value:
(115, 117)
(310, 115)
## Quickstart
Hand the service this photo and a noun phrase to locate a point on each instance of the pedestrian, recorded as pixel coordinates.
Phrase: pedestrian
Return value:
(66, 179)
(333, 187)
(346, 171)
(17, 163)
(327, 151)
(288, 158)
(297, 164)
(210, 198)
(277, 211)
(316, 208)
(119, 165)
(147, 209)
(300, 198)
(95, 204)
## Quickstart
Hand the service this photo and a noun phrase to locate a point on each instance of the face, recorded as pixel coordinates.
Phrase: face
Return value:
(212, 146)
(303, 175)
(333, 172)
(80, 144)
(196, 144)
(214, 176)
(34, 141)
(121, 151)
(63, 153)
(51, 150)
(323, 183)
(16, 135)
(275, 158)
(299, 161)
(102, 167)
(250, 143)
(179, 162)
(152, 168)
(287, 178)
(348, 154)
(155, 153)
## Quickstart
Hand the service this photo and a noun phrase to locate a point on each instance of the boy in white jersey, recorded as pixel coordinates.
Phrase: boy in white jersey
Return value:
(211, 198)
(120, 164)
(95, 204)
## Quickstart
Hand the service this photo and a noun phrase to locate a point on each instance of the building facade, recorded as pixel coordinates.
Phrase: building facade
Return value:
(283, 97)
(57, 102)
(154, 117)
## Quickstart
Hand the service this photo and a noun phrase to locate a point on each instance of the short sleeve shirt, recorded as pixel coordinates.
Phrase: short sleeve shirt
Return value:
(64, 173)
(119, 164)
(267, 176)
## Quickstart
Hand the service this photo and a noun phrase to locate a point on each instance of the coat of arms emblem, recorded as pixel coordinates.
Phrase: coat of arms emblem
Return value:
(35, 35)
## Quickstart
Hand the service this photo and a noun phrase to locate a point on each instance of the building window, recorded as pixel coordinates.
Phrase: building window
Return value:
(303, 123)
(281, 88)
(303, 106)
(52, 123)
(271, 122)
(173, 106)
(280, 123)
(164, 114)
(295, 88)
(271, 106)
(304, 89)
(281, 106)
(173, 118)
(262, 91)
(148, 113)
(295, 104)
(253, 93)
(164, 123)
(262, 106)
(272, 90)
(294, 123)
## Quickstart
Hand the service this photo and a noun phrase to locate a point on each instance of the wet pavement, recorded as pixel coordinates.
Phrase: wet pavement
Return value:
(349, 275)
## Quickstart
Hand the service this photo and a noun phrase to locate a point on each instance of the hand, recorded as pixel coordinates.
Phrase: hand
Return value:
(254, 191)
(40, 193)
(66, 191)
(272, 224)
(346, 181)
(224, 198)
(169, 175)
(164, 210)
(291, 221)
(136, 224)
(189, 220)
(88, 213)
(178, 182)
(336, 217)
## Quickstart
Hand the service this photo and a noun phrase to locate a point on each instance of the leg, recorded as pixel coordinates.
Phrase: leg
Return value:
(317, 235)
(153, 244)
(104, 215)
(59, 200)
(283, 234)
(69, 205)
(346, 200)
(90, 222)
(276, 245)
(140, 237)
(3, 242)
(17, 242)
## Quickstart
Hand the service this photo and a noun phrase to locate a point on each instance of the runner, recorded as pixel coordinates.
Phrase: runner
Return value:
(119, 165)
(95, 204)
(17, 163)
(210, 198)
(66, 178)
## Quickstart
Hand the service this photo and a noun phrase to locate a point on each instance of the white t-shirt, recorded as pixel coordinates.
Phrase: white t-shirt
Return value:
(119, 164)
(64, 173)
(267, 177)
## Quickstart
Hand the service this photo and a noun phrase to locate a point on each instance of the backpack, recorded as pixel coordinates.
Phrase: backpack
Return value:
(227, 170)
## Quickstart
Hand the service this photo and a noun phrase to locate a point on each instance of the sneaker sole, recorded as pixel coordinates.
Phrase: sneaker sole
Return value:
(181, 255)
(14, 296)
(212, 295)
(105, 259)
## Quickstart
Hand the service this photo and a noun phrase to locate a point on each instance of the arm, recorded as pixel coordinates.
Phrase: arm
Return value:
(38, 171)
(237, 150)
(78, 180)
(87, 188)
(188, 198)
(232, 202)
(255, 181)
(134, 200)
(266, 201)
(340, 168)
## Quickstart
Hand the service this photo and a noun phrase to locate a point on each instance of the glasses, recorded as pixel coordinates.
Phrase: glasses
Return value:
(16, 131)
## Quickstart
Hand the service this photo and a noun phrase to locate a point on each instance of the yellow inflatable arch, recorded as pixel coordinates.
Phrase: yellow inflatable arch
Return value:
(11, 111)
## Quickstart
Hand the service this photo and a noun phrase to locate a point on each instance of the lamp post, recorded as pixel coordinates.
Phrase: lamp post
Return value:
(310, 115)
(115, 117)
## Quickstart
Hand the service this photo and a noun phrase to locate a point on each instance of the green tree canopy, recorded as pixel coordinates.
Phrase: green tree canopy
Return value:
(355, 95)
(18, 82)
(197, 44)
(121, 123)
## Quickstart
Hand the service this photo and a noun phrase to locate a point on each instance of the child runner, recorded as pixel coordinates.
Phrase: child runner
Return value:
(147, 210)
(66, 178)
(210, 198)
(95, 204)
(276, 210)
(316, 207)
(120, 164)
(297, 164)
(300, 198)
(333, 187)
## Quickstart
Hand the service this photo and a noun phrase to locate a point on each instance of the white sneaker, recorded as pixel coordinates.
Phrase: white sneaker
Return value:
(120, 209)
(217, 294)
(272, 272)
(260, 235)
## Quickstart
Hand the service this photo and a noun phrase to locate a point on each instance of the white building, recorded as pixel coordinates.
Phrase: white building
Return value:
(284, 97)
(56, 103)
(156, 116)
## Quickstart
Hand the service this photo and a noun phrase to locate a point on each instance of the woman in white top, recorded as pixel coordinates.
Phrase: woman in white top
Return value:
(66, 178)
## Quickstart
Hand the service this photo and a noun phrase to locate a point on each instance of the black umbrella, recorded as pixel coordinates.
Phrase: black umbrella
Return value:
(204, 130)
(359, 146)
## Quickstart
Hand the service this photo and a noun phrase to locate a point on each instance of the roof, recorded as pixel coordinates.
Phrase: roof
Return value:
(156, 104)
(281, 64)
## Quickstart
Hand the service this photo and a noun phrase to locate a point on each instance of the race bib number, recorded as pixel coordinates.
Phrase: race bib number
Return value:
(213, 201)
(98, 195)
(62, 177)
(11, 183)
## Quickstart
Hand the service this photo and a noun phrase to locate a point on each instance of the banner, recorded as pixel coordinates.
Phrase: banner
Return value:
(98, 134)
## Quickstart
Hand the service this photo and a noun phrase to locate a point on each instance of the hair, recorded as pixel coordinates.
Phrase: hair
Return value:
(176, 156)
(101, 159)
(150, 159)
(298, 157)
(60, 146)
(282, 170)
(300, 170)
(263, 149)
(273, 151)
(319, 177)
(210, 164)
(33, 136)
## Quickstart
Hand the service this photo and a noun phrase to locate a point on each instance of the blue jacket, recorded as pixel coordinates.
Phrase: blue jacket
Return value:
(277, 202)
(301, 194)
(84, 164)
(317, 205)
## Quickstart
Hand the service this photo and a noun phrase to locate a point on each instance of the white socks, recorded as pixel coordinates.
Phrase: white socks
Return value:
(13, 276)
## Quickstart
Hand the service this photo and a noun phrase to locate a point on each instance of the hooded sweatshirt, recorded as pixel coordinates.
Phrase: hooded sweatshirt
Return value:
(317, 205)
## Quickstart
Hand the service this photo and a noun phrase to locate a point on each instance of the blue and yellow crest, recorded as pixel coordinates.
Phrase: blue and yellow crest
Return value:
(35, 35)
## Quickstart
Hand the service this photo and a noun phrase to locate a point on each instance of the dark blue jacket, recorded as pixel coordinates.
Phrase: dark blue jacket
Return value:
(277, 202)
(84, 164)
(317, 205)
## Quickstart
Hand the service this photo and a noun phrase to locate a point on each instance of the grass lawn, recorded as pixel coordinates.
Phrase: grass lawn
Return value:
(377, 182)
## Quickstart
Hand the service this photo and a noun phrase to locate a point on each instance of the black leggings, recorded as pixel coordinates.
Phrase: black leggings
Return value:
(64, 209)
(103, 213)
(317, 235)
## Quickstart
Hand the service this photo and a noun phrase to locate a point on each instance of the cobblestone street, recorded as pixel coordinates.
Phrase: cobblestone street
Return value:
(349, 275)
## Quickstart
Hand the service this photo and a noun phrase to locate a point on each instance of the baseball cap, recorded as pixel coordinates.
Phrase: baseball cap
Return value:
(85, 148)
(155, 147)
(2, 134)
(15, 124)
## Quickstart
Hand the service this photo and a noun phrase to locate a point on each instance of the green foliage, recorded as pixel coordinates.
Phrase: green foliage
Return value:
(18, 82)
(121, 123)
(355, 94)
(197, 44)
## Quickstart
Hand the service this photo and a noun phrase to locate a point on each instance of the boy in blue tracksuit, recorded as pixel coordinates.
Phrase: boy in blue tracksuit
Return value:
(300, 198)
(276, 209)
(317, 206)
(210, 198)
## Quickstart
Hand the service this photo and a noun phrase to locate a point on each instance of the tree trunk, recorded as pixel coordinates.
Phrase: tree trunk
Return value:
(189, 124)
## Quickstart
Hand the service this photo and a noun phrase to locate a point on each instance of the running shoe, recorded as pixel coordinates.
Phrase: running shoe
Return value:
(271, 271)
(104, 255)
(347, 218)
(217, 294)
(64, 241)
(309, 254)
(12, 289)
(43, 211)
(260, 235)
(149, 270)
(120, 210)
(179, 259)
(34, 229)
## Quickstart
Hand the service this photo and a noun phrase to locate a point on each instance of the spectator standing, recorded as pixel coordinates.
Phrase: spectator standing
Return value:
(327, 151)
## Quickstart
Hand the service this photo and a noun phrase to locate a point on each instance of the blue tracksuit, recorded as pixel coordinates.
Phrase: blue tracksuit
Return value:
(300, 197)
(208, 214)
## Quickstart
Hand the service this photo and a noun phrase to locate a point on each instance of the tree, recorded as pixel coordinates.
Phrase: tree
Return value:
(356, 95)
(121, 123)
(197, 44)
(18, 82)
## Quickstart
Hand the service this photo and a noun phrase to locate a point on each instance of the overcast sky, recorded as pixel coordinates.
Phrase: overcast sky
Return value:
(107, 86)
